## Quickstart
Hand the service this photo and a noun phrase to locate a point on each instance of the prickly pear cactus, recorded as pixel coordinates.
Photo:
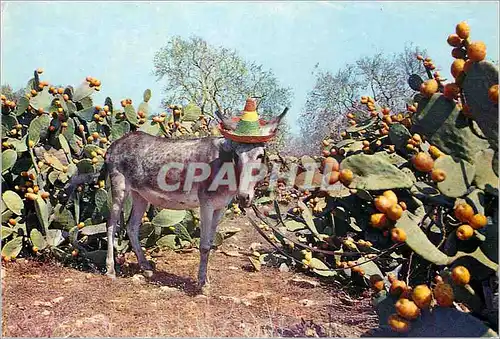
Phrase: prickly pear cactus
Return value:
(411, 210)
(54, 134)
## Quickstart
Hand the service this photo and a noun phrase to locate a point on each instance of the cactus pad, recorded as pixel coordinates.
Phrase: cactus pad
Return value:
(375, 172)
(459, 176)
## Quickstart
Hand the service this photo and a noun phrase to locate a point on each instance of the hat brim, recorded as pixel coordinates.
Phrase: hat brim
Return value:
(246, 139)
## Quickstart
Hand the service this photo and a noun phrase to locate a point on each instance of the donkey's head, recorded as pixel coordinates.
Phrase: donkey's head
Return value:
(250, 164)
(249, 158)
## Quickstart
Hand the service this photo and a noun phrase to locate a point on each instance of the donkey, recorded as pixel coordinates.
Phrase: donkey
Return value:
(136, 164)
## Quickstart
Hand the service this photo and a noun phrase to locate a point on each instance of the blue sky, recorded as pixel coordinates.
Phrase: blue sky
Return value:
(116, 41)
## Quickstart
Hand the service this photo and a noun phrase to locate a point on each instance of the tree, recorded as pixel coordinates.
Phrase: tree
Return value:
(385, 78)
(216, 78)
(10, 94)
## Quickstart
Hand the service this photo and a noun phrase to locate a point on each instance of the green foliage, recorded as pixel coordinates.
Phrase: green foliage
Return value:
(341, 224)
(47, 139)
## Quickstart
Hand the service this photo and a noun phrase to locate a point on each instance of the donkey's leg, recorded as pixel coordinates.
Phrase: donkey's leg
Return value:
(118, 193)
(139, 207)
(206, 216)
(206, 242)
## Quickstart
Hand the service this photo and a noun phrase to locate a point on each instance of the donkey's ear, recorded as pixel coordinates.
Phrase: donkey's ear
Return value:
(226, 145)
(274, 122)
(226, 123)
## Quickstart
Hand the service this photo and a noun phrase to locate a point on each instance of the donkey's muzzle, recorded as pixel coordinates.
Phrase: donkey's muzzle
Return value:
(244, 200)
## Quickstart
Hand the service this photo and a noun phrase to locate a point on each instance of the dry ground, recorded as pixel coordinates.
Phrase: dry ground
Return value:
(46, 299)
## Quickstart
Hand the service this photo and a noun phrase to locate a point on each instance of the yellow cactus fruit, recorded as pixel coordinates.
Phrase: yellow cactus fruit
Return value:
(476, 51)
(462, 30)
(460, 275)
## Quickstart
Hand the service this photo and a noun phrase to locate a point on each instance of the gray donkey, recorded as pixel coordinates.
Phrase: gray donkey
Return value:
(141, 165)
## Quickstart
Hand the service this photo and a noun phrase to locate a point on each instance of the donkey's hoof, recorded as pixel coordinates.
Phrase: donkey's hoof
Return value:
(111, 275)
(204, 289)
(148, 273)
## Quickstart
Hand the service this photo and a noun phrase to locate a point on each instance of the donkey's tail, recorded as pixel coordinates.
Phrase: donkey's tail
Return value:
(82, 178)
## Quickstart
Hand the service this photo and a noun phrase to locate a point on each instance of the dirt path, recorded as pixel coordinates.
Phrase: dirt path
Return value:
(46, 299)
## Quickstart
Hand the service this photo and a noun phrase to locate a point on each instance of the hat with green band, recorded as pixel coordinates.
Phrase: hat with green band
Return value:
(249, 127)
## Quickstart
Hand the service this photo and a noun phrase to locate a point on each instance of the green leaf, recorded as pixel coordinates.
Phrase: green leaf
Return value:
(320, 268)
(13, 202)
(120, 129)
(86, 114)
(150, 127)
(263, 200)
(131, 115)
(38, 128)
(94, 229)
(362, 126)
(369, 267)
(168, 241)
(42, 212)
(65, 146)
(37, 239)
(6, 231)
(85, 166)
(168, 217)
(101, 200)
(9, 158)
(485, 178)
(293, 226)
(306, 214)
(144, 107)
(147, 95)
(82, 91)
(191, 112)
(375, 172)
(12, 248)
(63, 218)
(42, 100)
(183, 233)
(418, 241)
(22, 106)
(54, 237)
(255, 263)
(459, 175)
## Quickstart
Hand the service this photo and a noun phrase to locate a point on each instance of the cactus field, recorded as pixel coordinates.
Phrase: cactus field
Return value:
(404, 242)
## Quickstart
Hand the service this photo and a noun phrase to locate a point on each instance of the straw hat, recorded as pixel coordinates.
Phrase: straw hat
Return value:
(249, 128)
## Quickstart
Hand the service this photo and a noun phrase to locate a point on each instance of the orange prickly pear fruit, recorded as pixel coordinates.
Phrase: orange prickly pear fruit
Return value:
(377, 282)
(383, 204)
(346, 176)
(493, 94)
(454, 40)
(435, 152)
(398, 234)
(398, 287)
(429, 87)
(422, 296)
(423, 162)
(462, 30)
(398, 324)
(407, 309)
(379, 220)
(457, 67)
(464, 212)
(438, 175)
(465, 232)
(476, 51)
(395, 212)
(478, 221)
(460, 275)
(451, 91)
